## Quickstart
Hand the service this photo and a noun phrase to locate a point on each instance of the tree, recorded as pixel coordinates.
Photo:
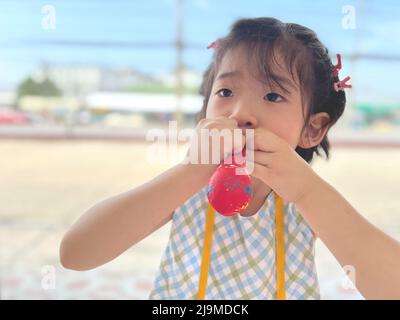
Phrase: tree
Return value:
(45, 88)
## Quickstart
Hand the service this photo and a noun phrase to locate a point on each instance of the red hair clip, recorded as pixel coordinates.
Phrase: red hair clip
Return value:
(341, 84)
(214, 45)
(336, 68)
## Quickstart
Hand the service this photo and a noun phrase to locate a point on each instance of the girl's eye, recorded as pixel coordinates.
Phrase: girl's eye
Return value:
(273, 97)
(225, 93)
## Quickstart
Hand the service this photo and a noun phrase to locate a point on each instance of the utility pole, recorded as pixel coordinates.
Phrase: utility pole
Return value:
(354, 58)
(179, 62)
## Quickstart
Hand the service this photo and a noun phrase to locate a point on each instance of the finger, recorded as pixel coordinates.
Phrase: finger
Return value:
(222, 119)
(266, 138)
(259, 171)
(262, 141)
(239, 141)
(233, 120)
(214, 120)
(262, 158)
(270, 134)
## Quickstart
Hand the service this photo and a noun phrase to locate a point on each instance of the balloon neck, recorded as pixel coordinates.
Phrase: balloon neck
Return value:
(238, 159)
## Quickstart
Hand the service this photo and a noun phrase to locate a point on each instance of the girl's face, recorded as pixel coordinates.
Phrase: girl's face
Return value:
(237, 94)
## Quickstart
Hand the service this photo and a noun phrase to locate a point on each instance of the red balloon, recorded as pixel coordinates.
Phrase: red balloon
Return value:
(229, 192)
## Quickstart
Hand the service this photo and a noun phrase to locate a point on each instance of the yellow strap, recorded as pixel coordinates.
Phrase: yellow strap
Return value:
(280, 250)
(205, 260)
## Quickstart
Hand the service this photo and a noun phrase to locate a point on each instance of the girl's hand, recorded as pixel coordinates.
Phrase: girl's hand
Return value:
(279, 166)
(204, 151)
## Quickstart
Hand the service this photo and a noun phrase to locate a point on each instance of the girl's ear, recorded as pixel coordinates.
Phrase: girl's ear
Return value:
(315, 130)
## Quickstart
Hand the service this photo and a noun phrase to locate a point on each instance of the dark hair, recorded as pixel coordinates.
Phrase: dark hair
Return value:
(305, 57)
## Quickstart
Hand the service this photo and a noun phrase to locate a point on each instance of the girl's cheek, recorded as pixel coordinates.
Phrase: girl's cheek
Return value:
(212, 110)
(209, 111)
(290, 136)
(294, 139)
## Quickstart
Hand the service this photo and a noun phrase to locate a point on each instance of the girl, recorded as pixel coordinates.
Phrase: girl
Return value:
(277, 79)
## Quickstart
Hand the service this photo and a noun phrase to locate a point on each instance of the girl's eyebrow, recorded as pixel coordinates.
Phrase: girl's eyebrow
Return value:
(281, 79)
(284, 81)
(234, 73)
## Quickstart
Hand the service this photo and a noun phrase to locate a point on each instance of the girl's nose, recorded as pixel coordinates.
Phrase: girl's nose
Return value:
(244, 117)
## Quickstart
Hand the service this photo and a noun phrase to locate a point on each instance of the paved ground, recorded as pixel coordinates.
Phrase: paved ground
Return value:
(46, 185)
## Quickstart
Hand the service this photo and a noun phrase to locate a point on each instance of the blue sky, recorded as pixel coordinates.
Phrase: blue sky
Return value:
(24, 43)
